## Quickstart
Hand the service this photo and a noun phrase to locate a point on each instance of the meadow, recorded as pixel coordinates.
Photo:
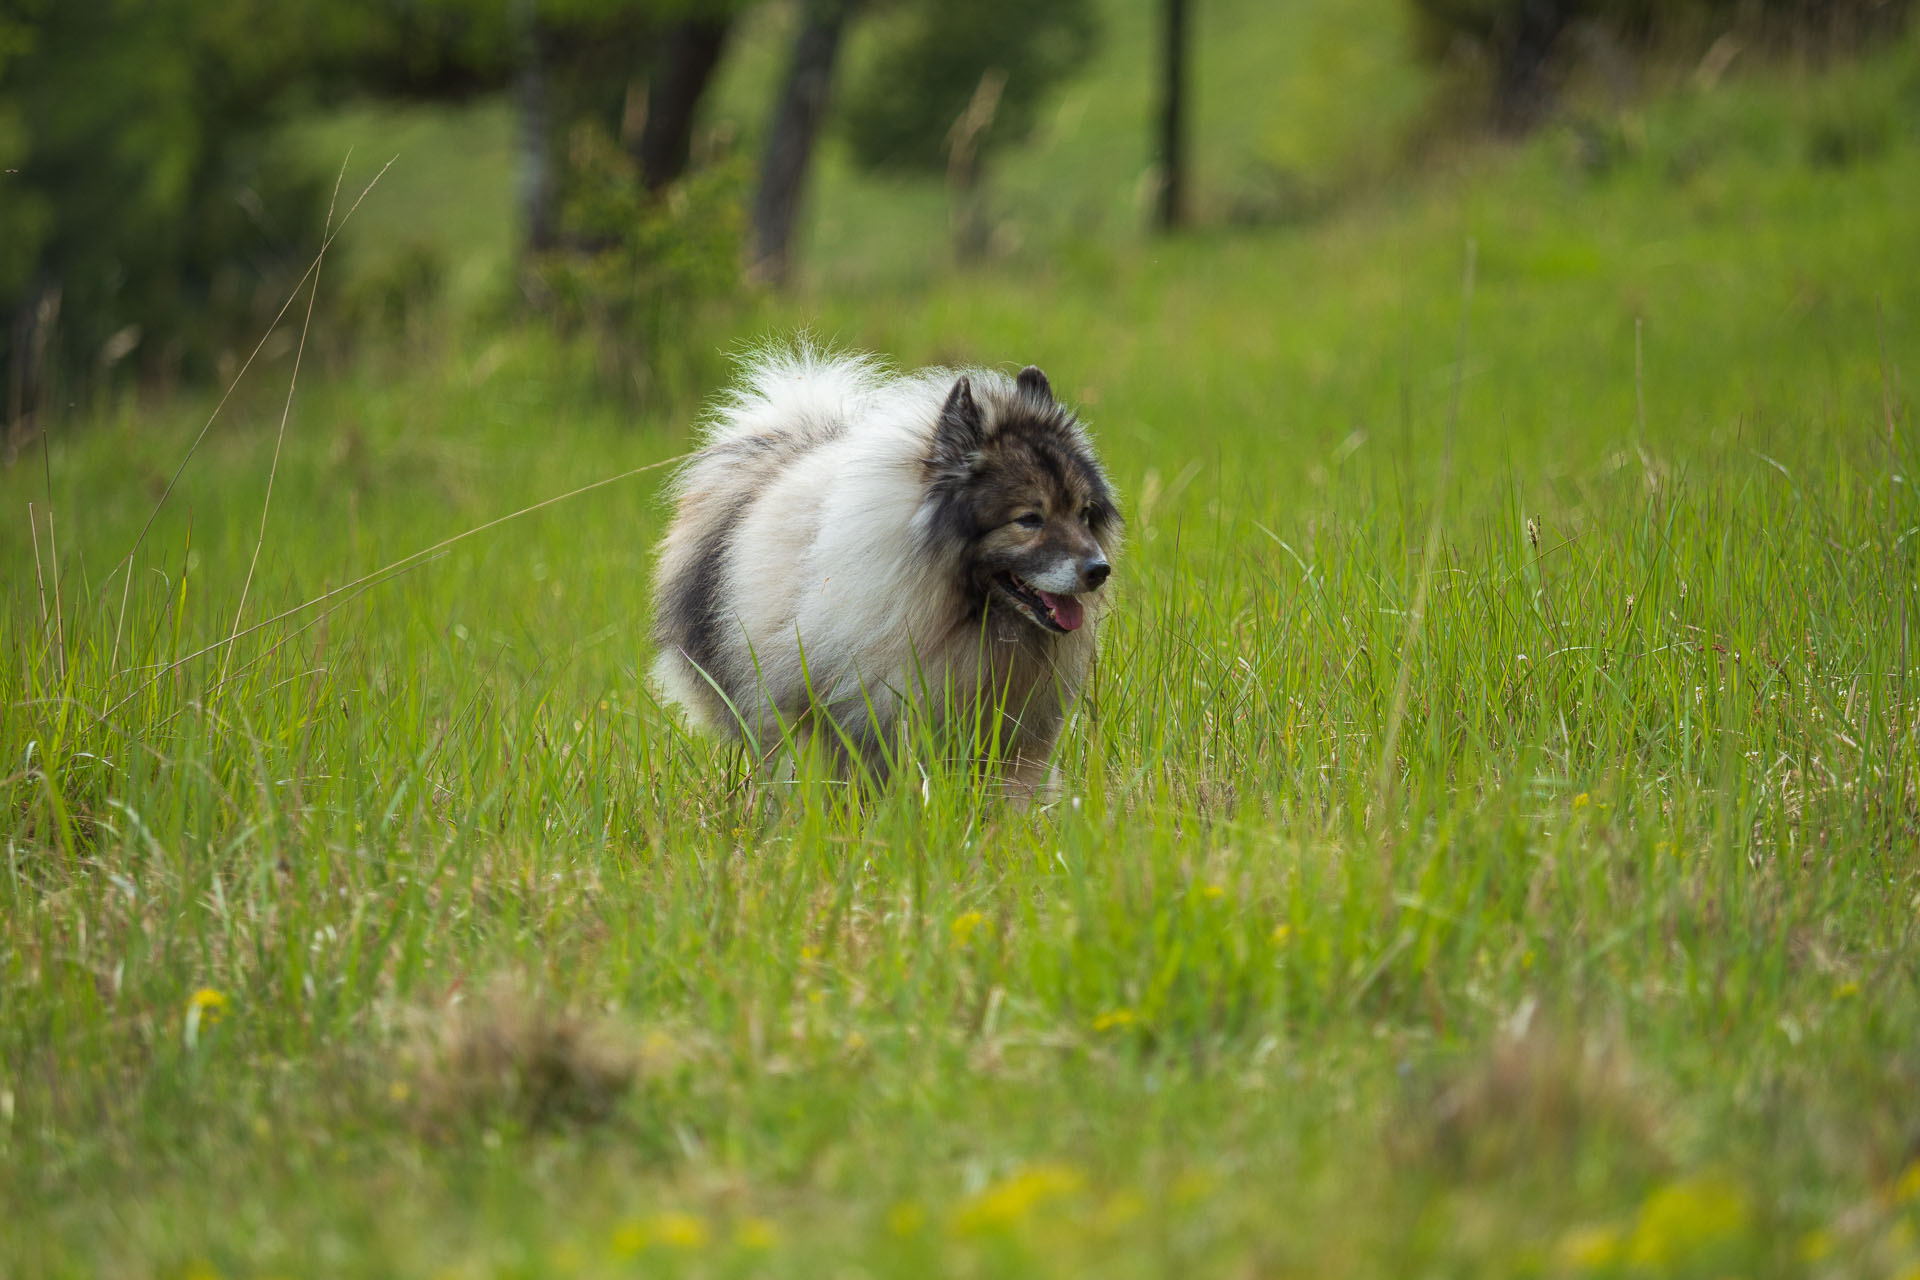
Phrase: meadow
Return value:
(1489, 846)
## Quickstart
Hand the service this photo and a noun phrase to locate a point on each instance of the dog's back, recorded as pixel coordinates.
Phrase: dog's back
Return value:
(800, 472)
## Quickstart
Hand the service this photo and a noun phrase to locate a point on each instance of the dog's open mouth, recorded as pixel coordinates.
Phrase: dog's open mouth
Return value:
(1055, 613)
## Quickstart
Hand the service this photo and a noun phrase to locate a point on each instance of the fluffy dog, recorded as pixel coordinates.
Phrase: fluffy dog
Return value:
(850, 545)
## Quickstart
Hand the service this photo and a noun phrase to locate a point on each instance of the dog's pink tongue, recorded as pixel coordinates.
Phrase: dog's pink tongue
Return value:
(1067, 611)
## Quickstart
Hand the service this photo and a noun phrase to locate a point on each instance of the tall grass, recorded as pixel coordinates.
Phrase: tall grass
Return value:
(1499, 867)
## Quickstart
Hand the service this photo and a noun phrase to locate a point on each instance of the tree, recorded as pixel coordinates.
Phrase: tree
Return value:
(577, 62)
(143, 208)
(573, 63)
(1170, 209)
(795, 128)
(949, 85)
(537, 185)
(147, 220)
(972, 229)
(689, 53)
(1520, 37)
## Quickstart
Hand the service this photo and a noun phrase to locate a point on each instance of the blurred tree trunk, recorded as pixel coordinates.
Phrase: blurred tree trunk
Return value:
(1170, 211)
(972, 228)
(538, 187)
(689, 54)
(33, 323)
(1523, 90)
(796, 126)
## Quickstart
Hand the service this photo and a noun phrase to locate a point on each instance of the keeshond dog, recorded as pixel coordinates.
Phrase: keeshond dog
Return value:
(852, 547)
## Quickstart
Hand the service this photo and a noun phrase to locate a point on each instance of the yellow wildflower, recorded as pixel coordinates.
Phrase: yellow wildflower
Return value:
(670, 1230)
(756, 1233)
(1113, 1019)
(1685, 1218)
(1281, 932)
(965, 926)
(1908, 1186)
(1191, 1185)
(679, 1231)
(1007, 1203)
(629, 1238)
(208, 1004)
(1589, 1248)
(1846, 991)
(1121, 1208)
(1212, 892)
(906, 1218)
(204, 1009)
(1581, 801)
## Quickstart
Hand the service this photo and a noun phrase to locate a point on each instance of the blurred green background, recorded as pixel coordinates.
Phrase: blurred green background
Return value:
(607, 164)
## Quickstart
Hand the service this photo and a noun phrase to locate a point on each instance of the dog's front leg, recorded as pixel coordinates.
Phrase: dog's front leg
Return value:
(1028, 776)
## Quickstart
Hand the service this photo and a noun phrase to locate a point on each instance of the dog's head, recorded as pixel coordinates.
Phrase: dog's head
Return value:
(1013, 483)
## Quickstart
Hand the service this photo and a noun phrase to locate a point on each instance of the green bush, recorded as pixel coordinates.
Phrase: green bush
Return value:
(393, 298)
(637, 268)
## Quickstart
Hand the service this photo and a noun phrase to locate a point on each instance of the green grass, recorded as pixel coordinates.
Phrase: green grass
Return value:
(1540, 905)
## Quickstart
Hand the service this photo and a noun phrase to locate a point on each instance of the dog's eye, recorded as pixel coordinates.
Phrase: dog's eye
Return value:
(1091, 515)
(1031, 520)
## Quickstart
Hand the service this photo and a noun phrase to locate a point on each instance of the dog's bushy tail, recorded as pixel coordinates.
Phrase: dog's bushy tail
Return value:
(793, 389)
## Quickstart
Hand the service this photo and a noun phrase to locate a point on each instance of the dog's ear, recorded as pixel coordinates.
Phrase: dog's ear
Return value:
(1033, 385)
(960, 433)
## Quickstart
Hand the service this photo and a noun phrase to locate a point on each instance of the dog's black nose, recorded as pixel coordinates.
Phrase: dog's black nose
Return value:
(1095, 572)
